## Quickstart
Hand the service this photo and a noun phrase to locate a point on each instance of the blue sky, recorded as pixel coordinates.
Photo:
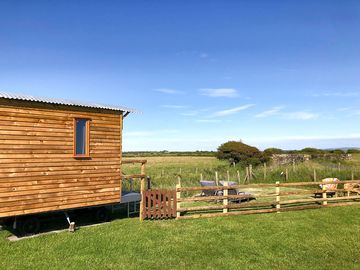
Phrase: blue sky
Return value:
(271, 73)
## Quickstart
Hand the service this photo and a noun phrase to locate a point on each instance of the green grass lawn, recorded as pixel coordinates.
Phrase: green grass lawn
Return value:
(311, 239)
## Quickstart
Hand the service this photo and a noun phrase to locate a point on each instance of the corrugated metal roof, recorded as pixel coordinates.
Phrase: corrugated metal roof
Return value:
(66, 102)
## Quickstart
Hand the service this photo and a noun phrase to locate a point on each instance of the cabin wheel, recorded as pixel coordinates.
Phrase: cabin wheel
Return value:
(29, 225)
(102, 214)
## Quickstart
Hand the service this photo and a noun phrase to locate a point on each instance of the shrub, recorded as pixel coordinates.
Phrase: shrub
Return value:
(312, 151)
(273, 151)
(241, 153)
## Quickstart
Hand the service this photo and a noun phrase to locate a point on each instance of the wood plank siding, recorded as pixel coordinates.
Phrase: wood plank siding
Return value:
(38, 170)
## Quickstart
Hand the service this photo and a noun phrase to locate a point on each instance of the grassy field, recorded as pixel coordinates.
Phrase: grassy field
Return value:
(312, 239)
(164, 170)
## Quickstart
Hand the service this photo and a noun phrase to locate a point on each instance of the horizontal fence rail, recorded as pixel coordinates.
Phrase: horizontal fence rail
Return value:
(133, 161)
(240, 204)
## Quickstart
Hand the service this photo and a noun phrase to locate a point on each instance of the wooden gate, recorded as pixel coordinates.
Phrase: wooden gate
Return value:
(158, 204)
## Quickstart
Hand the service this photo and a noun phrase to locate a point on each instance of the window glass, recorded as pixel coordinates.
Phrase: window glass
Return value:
(81, 137)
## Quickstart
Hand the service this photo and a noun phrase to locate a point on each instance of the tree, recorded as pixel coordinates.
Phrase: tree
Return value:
(312, 151)
(273, 151)
(241, 153)
(353, 151)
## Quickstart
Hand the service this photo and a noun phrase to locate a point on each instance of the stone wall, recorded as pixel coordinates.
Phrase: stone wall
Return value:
(282, 159)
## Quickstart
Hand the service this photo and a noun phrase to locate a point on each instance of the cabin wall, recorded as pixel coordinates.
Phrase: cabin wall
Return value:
(38, 172)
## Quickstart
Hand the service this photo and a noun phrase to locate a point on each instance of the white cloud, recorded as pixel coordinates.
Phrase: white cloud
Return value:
(233, 110)
(142, 133)
(321, 137)
(148, 133)
(345, 109)
(337, 94)
(301, 116)
(191, 113)
(219, 92)
(355, 112)
(208, 121)
(169, 91)
(174, 106)
(272, 111)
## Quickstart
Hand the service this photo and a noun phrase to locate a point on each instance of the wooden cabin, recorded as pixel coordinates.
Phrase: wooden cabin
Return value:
(58, 154)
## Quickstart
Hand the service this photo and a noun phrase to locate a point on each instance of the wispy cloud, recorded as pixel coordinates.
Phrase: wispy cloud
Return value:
(219, 92)
(301, 115)
(203, 55)
(208, 121)
(149, 133)
(232, 110)
(272, 111)
(190, 113)
(345, 109)
(169, 91)
(337, 94)
(141, 133)
(174, 106)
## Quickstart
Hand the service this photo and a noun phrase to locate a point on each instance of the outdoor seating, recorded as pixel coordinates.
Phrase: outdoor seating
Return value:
(330, 188)
(352, 188)
(206, 192)
(232, 191)
(237, 192)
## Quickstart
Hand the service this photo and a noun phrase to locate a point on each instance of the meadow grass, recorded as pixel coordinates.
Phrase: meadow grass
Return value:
(312, 239)
(164, 170)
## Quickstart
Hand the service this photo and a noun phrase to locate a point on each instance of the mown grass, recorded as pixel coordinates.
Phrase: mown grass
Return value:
(312, 239)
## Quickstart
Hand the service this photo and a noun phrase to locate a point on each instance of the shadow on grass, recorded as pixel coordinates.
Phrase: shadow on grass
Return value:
(57, 222)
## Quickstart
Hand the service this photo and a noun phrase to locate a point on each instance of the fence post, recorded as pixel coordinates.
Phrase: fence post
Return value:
(217, 178)
(286, 174)
(352, 175)
(339, 168)
(324, 195)
(201, 177)
(264, 171)
(228, 175)
(178, 196)
(142, 189)
(293, 163)
(226, 200)
(277, 197)
(238, 176)
(247, 177)
(250, 172)
(315, 178)
(131, 184)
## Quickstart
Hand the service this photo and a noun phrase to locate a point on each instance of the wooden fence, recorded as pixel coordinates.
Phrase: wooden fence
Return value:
(158, 204)
(342, 196)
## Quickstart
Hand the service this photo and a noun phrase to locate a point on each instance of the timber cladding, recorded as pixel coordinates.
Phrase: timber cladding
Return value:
(38, 169)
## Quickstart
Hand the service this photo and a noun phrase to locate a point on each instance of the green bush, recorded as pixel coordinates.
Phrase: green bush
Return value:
(241, 153)
(273, 151)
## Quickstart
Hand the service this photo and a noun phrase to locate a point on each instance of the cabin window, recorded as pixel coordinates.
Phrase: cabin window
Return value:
(81, 137)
